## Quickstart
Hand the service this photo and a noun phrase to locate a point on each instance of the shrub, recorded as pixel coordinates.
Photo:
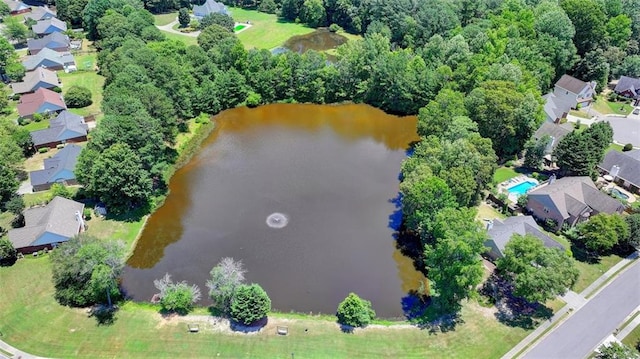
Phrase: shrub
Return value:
(78, 96)
(334, 28)
(177, 297)
(37, 117)
(510, 163)
(253, 99)
(86, 213)
(249, 304)
(15, 97)
(58, 189)
(355, 312)
(8, 254)
(183, 17)
(223, 20)
(194, 24)
(43, 150)
(56, 89)
(627, 147)
(15, 205)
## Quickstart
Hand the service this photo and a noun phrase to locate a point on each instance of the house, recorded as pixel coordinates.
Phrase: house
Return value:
(45, 27)
(570, 200)
(209, 7)
(500, 233)
(624, 167)
(67, 127)
(38, 78)
(17, 7)
(629, 87)
(56, 41)
(553, 130)
(568, 93)
(48, 226)
(40, 13)
(51, 60)
(41, 101)
(57, 169)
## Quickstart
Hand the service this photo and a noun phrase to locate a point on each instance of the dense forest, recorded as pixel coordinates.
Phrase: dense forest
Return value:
(473, 71)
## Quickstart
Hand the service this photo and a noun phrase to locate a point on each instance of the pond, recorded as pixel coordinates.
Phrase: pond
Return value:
(320, 40)
(304, 195)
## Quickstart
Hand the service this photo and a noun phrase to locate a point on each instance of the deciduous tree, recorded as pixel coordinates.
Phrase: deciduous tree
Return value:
(176, 297)
(226, 277)
(8, 254)
(603, 231)
(355, 311)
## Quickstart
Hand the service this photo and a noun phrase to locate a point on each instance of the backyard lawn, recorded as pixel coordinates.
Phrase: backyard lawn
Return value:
(88, 79)
(504, 173)
(266, 31)
(31, 320)
(605, 107)
(165, 19)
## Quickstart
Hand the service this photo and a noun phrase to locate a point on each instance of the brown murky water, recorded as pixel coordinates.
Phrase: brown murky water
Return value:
(319, 40)
(331, 170)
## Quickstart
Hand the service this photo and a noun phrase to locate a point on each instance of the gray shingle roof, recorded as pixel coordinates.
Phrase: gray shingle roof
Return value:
(571, 84)
(628, 162)
(557, 132)
(56, 58)
(628, 84)
(571, 195)
(65, 126)
(55, 40)
(40, 13)
(16, 5)
(57, 168)
(45, 26)
(48, 224)
(502, 231)
(209, 7)
(35, 79)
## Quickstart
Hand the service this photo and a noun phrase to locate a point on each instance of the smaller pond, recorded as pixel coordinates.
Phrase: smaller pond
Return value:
(319, 40)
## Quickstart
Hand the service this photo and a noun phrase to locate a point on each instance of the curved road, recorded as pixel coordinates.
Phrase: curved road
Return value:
(579, 335)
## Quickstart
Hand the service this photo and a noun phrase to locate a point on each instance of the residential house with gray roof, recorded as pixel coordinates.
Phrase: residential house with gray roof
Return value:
(33, 80)
(56, 41)
(51, 60)
(501, 231)
(17, 7)
(624, 167)
(209, 7)
(48, 226)
(553, 130)
(57, 169)
(568, 93)
(45, 27)
(40, 13)
(570, 200)
(67, 127)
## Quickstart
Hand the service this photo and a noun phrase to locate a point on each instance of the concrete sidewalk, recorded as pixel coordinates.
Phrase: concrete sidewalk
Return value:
(574, 302)
(16, 353)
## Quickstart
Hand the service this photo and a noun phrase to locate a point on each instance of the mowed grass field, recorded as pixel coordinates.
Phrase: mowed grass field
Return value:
(31, 320)
(266, 31)
(88, 78)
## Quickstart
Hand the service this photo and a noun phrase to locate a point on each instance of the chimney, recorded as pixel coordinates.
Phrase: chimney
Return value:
(489, 224)
(615, 169)
(80, 220)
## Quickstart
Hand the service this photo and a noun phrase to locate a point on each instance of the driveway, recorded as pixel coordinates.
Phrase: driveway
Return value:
(169, 28)
(625, 129)
(579, 335)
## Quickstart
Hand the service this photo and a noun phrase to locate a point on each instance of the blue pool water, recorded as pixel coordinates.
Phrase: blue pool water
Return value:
(522, 188)
(617, 193)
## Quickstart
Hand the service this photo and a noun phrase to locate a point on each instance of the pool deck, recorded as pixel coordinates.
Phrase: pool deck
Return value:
(631, 198)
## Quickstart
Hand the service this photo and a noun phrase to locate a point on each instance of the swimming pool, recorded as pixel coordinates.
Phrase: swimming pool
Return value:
(521, 188)
(617, 193)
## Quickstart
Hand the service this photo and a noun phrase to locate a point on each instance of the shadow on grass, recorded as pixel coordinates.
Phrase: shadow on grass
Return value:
(428, 313)
(253, 328)
(512, 310)
(104, 315)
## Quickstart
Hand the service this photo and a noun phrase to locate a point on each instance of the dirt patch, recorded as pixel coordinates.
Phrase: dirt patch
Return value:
(36, 162)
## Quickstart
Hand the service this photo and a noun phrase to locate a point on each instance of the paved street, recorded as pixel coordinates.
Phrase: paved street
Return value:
(578, 336)
(625, 130)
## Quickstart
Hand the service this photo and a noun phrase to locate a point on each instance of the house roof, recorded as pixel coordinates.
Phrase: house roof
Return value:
(31, 103)
(54, 40)
(573, 196)
(628, 84)
(557, 132)
(15, 5)
(209, 7)
(40, 13)
(571, 84)
(46, 54)
(31, 79)
(502, 231)
(628, 162)
(57, 218)
(43, 26)
(65, 126)
(65, 159)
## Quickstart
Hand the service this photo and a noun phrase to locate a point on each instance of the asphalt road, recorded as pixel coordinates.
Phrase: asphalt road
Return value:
(625, 130)
(586, 328)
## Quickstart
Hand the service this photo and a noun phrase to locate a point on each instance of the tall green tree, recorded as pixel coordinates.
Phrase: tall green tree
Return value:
(603, 231)
(249, 304)
(212, 35)
(538, 273)
(615, 350)
(535, 151)
(633, 222)
(453, 260)
(578, 153)
(619, 30)
(14, 30)
(8, 254)
(313, 13)
(589, 20)
(355, 311)
(183, 17)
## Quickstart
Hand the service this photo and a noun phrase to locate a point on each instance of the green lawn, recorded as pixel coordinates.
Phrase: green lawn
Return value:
(504, 173)
(34, 126)
(615, 146)
(266, 31)
(579, 114)
(590, 272)
(165, 19)
(88, 79)
(633, 339)
(605, 107)
(188, 40)
(31, 320)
